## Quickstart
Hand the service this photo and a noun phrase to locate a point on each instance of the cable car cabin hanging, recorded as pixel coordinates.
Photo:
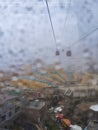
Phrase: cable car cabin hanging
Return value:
(57, 53)
(68, 53)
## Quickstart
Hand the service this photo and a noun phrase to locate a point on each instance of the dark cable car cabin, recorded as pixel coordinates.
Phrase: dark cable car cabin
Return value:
(69, 53)
(57, 53)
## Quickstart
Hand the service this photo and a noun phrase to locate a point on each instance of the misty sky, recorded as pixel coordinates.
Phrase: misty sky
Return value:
(26, 34)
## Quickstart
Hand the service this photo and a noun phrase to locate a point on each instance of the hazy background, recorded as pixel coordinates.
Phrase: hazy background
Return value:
(26, 34)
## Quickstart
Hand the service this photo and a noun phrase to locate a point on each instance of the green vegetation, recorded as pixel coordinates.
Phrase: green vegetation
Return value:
(51, 125)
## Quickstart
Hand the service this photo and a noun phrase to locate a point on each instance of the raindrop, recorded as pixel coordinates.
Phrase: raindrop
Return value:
(42, 11)
(16, 11)
(88, 10)
(86, 50)
(5, 7)
(10, 52)
(86, 2)
(21, 51)
(61, 5)
(29, 8)
(22, 30)
(0, 56)
(1, 33)
(12, 66)
(62, 50)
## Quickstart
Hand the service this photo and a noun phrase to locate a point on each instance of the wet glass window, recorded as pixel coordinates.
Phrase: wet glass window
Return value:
(48, 45)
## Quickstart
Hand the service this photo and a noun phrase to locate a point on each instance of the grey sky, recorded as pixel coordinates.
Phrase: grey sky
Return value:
(26, 35)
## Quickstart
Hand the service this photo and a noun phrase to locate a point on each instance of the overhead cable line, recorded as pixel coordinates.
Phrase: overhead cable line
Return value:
(68, 52)
(68, 10)
(74, 43)
(57, 51)
(51, 21)
(82, 38)
(85, 36)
